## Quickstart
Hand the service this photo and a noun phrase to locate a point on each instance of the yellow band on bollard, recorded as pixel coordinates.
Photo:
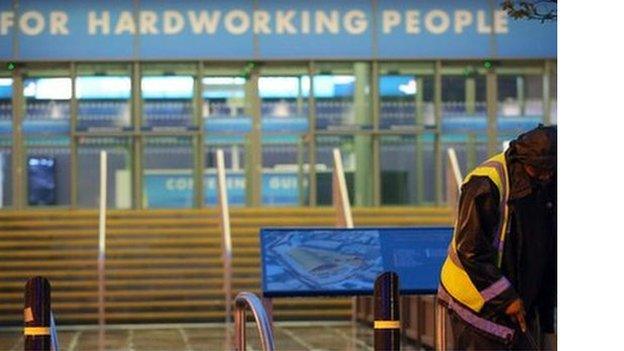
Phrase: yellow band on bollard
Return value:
(387, 325)
(35, 331)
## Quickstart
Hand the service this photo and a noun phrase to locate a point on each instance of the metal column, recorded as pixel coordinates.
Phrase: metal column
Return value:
(137, 145)
(18, 160)
(491, 89)
(437, 147)
(363, 143)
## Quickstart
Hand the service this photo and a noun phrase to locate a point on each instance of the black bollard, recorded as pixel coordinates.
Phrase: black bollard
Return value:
(387, 335)
(37, 315)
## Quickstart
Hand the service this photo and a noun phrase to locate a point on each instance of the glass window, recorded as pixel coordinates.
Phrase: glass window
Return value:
(227, 120)
(103, 102)
(407, 169)
(119, 178)
(167, 101)
(46, 134)
(283, 92)
(6, 140)
(406, 101)
(520, 104)
(234, 157)
(325, 164)
(167, 172)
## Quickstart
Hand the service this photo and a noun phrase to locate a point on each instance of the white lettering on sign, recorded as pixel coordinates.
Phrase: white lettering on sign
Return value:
(6, 21)
(326, 22)
(412, 22)
(500, 22)
(390, 19)
(125, 24)
(179, 184)
(305, 22)
(355, 22)
(206, 22)
(147, 22)
(462, 19)
(482, 26)
(236, 22)
(261, 22)
(32, 23)
(58, 23)
(172, 22)
(437, 21)
(96, 23)
(283, 22)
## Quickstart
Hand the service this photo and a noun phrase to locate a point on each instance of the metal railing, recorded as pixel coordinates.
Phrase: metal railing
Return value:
(263, 322)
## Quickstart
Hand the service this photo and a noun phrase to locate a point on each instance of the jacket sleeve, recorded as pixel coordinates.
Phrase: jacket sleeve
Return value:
(474, 237)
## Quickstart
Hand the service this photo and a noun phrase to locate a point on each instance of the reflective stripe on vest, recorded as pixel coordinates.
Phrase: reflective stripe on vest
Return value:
(453, 276)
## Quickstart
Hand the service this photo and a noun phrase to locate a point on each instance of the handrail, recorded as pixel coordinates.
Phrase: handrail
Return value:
(242, 301)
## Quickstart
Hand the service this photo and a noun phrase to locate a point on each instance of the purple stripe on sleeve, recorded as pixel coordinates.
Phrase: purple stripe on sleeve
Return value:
(495, 289)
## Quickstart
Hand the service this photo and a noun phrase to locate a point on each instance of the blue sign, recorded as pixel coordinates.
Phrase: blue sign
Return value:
(174, 188)
(267, 30)
(312, 261)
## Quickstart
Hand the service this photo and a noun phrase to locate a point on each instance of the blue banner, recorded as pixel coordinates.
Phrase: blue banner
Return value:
(268, 30)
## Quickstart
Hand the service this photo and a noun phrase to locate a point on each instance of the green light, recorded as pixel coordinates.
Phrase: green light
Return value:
(10, 66)
(487, 64)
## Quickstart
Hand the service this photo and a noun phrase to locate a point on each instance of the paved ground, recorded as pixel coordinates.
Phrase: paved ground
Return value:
(195, 337)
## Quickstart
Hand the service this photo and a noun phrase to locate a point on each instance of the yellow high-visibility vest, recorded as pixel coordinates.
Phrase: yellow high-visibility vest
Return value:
(454, 278)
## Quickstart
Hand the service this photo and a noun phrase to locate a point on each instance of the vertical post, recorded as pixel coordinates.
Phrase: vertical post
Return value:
(311, 137)
(437, 146)
(73, 122)
(520, 94)
(342, 207)
(375, 111)
(492, 111)
(102, 251)
(440, 327)
(18, 161)
(387, 334)
(363, 142)
(198, 172)
(453, 179)
(253, 161)
(340, 195)
(420, 124)
(471, 95)
(137, 157)
(224, 221)
(37, 314)
(240, 342)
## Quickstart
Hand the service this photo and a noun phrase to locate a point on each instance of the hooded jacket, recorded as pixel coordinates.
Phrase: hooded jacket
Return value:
(503, 264)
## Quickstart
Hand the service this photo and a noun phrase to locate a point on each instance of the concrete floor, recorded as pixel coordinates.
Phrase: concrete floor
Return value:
(307, 336)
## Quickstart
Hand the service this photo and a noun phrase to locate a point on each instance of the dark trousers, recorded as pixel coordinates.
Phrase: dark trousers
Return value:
(466, 338)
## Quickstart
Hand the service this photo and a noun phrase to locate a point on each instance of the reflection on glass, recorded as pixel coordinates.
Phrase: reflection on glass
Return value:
(404, 103)
(234, 157)
(325, 165)
(119, 179)
(167, 101)
(334, 100)
(6, 141)
(6, 186)
(103, 102)
(48, 178)
(47, 105)
(167, 172)
(224, 97)
(284, 107)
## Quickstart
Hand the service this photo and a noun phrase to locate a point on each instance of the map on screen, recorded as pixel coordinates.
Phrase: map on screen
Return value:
(336, 261)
